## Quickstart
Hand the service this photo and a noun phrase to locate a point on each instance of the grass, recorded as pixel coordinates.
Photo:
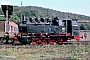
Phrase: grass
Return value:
(76, 52)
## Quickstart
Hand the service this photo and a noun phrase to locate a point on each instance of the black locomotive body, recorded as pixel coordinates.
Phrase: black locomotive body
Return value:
(46, 30)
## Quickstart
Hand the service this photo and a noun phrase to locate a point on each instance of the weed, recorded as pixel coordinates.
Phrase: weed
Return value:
(62, 51)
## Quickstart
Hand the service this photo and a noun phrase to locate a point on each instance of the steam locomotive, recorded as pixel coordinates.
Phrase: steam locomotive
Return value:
(47, 31)
(44, 30)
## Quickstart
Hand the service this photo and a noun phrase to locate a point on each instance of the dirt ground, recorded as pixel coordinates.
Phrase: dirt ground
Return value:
(8, 58)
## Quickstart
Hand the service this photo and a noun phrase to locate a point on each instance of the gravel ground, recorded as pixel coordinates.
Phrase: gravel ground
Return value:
(14, 58)
(58, 59)
(8, 58)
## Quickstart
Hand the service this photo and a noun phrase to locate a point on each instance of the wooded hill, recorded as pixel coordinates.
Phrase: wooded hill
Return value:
(37, 12)
(33, 11)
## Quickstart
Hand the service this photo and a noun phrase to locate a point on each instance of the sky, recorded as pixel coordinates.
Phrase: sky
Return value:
(72, 6)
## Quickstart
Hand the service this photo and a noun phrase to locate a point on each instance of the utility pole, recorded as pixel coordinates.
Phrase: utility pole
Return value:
(21, 11)
(7, 21)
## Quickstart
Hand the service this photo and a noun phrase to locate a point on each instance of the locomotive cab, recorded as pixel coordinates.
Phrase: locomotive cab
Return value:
(68, 24)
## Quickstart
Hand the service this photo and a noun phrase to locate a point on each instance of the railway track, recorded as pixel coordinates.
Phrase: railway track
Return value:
(79, 42)
(47, 45)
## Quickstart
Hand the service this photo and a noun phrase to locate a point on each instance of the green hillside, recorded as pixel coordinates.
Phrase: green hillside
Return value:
(34, 11)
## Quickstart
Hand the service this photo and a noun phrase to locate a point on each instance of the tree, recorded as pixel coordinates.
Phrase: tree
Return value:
(14, 19)
(36, 12)
(2, 18)
(85, 27)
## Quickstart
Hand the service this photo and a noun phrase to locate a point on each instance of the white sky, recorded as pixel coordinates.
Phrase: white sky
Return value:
(5, 3)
